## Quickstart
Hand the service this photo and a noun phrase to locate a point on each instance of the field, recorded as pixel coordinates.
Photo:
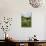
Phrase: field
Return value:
(26, 21)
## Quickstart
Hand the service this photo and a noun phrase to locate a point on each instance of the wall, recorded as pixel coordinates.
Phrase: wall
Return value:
(45, 27)
(14, 8)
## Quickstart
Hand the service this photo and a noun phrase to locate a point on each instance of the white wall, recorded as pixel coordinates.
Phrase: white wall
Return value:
(45, 27)
(14, 8)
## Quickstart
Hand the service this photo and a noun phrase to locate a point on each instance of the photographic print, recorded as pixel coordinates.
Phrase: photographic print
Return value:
(26, 20)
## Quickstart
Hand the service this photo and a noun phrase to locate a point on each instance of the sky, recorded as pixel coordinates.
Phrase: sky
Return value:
(27, 13)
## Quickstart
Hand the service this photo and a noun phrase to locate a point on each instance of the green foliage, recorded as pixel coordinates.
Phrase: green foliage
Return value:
(26, 21)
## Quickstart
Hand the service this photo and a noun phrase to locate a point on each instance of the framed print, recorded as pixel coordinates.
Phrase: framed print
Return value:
(26, 20)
